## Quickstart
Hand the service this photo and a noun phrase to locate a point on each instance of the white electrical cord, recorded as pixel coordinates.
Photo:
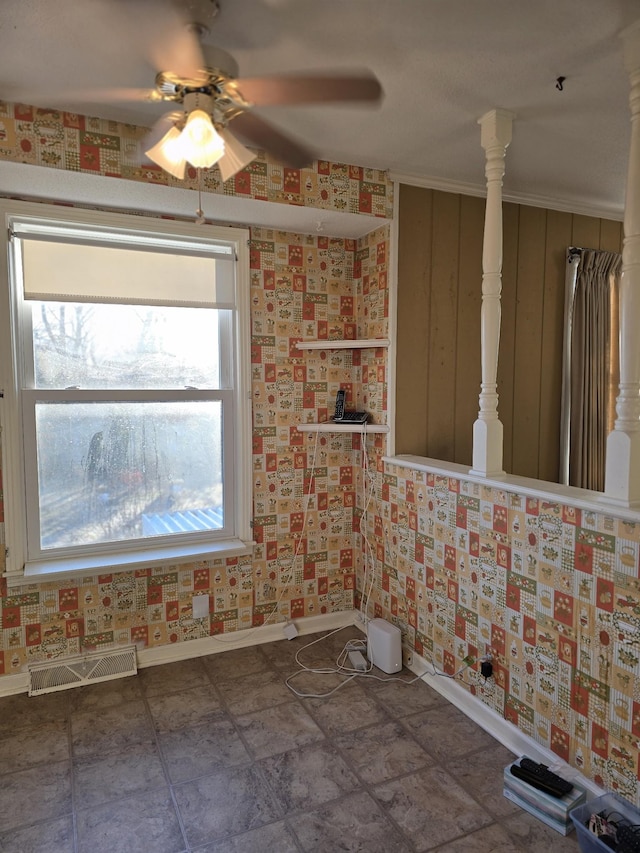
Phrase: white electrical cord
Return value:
(340, 668)
(368, 491)
(369, 495)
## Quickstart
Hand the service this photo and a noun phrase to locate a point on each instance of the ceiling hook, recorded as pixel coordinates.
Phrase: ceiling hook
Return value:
(559, 82)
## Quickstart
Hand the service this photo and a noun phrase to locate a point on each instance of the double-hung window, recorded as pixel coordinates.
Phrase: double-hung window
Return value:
(126, 416)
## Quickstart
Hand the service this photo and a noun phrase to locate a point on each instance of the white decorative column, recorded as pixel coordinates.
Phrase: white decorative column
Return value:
(622, 475)
(495, 136)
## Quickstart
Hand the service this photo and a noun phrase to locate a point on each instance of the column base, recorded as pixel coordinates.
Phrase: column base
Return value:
(622, 474)
(487, 448)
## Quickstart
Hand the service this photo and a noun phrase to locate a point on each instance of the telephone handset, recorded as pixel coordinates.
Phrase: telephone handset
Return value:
(344, 417)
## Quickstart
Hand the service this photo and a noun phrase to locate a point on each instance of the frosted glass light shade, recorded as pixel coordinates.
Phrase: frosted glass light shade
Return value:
(235, 156)
(200, 142)
(168, 153)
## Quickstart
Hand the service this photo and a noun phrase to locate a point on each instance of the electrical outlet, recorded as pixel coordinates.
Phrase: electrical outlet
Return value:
(486, 669)
(200, 606)
(407, 655)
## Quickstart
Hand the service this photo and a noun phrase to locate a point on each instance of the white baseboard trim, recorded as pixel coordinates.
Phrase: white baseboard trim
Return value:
(241, 639)
(19, 682)
(11, 684)
(503, 731)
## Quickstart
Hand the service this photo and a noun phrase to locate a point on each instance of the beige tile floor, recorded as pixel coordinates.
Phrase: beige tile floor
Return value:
(217, 755)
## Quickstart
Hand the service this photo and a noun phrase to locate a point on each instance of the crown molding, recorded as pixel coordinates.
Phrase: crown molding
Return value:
(447, 185)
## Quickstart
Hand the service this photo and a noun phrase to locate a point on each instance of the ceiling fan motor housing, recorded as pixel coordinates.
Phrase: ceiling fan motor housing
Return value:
(220, 68)
(198, 101)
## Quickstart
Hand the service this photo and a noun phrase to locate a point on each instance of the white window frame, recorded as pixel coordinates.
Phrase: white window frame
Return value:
(18, 504)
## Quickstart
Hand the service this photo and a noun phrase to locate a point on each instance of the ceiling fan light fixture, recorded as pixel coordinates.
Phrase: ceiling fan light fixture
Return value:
(168, 154)
(236, 156)
(200, 142)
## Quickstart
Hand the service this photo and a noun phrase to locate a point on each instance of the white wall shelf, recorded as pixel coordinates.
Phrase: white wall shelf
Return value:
(330, 426)
(362, 343)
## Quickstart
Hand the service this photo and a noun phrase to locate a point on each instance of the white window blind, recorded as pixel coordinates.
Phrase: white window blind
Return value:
(88, 268)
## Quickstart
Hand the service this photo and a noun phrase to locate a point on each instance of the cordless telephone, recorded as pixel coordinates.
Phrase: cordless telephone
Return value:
(342, 416)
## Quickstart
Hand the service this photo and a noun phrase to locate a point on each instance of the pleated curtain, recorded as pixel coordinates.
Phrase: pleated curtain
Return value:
(594, 366)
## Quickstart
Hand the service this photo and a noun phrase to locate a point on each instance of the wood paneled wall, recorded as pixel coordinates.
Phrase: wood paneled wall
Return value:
(438, 346)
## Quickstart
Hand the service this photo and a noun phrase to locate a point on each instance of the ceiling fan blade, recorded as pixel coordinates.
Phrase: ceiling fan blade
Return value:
(165, 37)
(79, 100)
(262, 134)
(109, 96)
(306, 89)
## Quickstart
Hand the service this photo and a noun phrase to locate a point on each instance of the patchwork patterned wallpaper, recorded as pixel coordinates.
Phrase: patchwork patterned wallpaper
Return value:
(305, 288)
(97, 146)
(305, 486)
(301, 287)
(552, 591)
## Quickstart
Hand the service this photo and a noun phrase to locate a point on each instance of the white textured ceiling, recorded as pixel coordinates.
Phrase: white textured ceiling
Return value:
(442, 64)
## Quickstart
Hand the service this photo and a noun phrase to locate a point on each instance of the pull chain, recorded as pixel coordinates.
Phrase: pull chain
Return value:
(200, 220)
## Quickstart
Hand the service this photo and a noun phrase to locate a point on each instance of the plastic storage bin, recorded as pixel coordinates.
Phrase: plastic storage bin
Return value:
(608, 803)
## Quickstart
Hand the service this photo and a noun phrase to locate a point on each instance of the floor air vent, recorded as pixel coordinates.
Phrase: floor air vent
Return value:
(75, 672)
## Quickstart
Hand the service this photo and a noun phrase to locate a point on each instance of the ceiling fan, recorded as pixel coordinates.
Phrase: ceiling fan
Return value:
(202, 83)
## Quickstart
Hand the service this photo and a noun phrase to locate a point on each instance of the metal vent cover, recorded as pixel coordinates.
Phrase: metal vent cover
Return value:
(76, 672)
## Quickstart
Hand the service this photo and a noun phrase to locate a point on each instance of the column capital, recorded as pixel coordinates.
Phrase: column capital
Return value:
(495, 128)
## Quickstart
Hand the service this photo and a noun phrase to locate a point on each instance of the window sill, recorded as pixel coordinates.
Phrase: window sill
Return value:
(43, 571)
